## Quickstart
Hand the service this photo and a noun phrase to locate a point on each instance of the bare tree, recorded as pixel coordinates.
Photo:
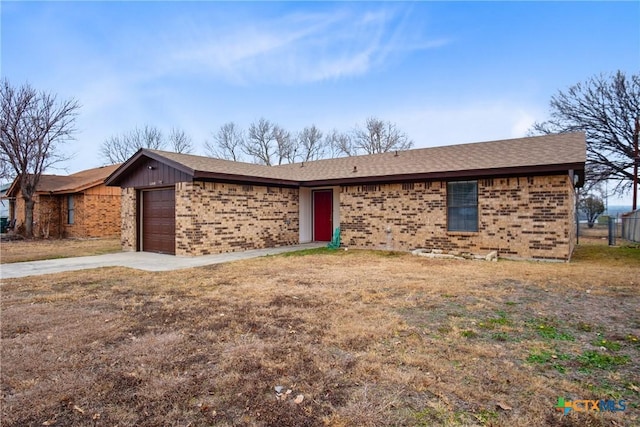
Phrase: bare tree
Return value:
(378, 136)
(6, 172)
(116, 149)
(33, 125)
(228, 143)
(605, 107)
(267, 143)
(339, 143)
(179, 141)
(311, 146)
(286, 148)
(120, 148)
(147, 137)
(260, 144)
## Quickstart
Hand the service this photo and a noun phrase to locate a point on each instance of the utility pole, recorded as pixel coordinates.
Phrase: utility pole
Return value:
(636, 160)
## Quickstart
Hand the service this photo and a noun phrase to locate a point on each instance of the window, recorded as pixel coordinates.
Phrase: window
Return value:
(70, 210)
(462, 206)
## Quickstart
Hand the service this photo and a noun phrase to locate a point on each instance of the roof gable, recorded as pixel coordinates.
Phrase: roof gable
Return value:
(63, 184)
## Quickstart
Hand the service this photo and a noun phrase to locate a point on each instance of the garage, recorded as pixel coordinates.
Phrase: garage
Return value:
(158, 221)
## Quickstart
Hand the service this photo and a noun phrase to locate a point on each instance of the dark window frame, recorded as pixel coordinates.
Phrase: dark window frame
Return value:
(462, 206)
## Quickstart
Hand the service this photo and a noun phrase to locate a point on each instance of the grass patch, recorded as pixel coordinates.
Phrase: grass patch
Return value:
(605, 389)
(539, 357)
(444, 329)
(469, 333)
(486, 417)
(603, 254)
(585, 327)
(553, 359)
(608, 344)
(501, 336)
(596, 360)
(341, 251)
(443, 416)
(42, 249)
(493, 322)
(313, 251)
(547, 329)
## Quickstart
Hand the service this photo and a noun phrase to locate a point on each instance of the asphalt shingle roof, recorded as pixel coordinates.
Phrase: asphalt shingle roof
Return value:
(513, 153)
(70, 183)
(547, 150)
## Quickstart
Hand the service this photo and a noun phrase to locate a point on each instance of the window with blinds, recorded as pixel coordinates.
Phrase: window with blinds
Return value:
(462, 206)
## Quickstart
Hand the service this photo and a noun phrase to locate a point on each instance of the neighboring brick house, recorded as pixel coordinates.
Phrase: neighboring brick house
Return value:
(516, 197)
(77, 205)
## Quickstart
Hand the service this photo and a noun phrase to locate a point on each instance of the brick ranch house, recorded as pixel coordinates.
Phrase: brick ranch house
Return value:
(514, 196)
(78, 205)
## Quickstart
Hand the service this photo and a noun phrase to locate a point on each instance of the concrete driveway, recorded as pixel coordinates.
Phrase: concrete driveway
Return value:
(139, 260)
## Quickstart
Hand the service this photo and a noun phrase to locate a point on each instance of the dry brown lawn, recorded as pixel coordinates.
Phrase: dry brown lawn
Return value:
(353, 338)
(39, 249)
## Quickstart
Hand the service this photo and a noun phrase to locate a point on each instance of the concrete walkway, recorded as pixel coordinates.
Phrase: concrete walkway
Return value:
(139, 260)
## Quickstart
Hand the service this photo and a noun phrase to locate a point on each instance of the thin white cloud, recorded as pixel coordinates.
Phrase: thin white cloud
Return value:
(298, 48)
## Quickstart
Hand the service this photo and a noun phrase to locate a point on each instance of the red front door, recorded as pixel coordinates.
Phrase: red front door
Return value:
(322, 215)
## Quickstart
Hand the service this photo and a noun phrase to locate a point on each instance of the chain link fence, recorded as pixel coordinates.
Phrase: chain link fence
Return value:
(610, 228)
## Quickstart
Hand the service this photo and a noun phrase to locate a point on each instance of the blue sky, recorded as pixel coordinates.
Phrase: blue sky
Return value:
(445, 72)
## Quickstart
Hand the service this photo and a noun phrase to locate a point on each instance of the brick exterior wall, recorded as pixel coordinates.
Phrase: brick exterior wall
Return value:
(520, 217)
(128, 228)
(96, 215)
(215, 217)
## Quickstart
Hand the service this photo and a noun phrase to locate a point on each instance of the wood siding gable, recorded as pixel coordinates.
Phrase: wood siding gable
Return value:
(150, 173)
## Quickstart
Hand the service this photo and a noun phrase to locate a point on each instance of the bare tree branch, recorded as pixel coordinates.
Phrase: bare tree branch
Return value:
(605, 108)
(120, 148)
(311, 146)
(6, 171)
(179, 141)
(32, 128)
(228, 143)
(269, 144)
(340, 143)
(261, 144)
(286, 149)
(378, 136)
